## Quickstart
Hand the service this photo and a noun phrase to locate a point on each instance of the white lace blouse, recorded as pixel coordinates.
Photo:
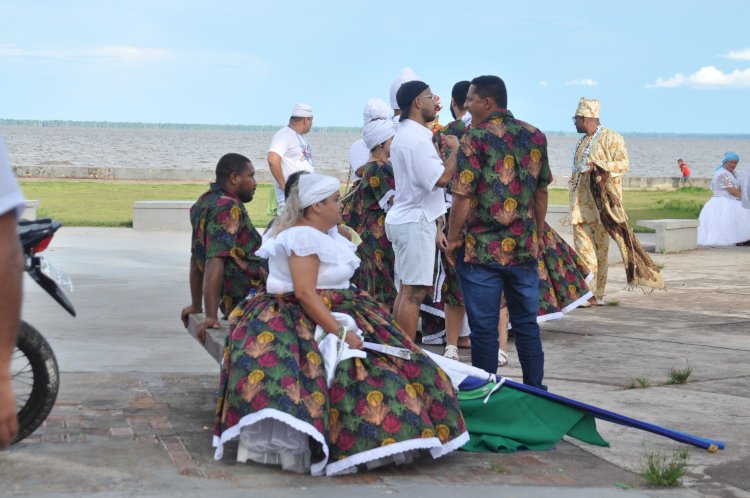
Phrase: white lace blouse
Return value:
(721, 180)
(337, 258)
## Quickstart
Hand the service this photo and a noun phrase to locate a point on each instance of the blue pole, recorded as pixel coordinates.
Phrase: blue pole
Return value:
(707, 444)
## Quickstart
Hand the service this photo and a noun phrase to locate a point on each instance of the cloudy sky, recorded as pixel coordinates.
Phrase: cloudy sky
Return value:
(657, 66)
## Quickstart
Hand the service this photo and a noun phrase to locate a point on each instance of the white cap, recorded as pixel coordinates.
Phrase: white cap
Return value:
(301, 111)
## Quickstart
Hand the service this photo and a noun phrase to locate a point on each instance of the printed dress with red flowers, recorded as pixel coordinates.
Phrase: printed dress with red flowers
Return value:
(563, 278)
(274, 395)
(369, 204)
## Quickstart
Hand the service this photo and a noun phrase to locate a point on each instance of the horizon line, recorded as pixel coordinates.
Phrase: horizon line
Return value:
(270, 127)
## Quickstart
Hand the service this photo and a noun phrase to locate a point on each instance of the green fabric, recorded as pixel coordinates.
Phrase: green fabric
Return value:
(513, 420)
(272, 203)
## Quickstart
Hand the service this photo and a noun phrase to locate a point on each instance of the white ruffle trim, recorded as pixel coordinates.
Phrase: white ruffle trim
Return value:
(575, 304)
(330, 247)
(316, 469)
(437, 450)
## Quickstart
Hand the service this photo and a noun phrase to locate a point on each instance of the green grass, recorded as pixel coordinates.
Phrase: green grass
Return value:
(642, 382)
(110, 203)
(102, 203)
(679, 375)
(658, 470)
(653, 205)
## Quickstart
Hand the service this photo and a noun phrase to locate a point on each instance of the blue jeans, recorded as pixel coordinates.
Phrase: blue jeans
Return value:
(482, 286)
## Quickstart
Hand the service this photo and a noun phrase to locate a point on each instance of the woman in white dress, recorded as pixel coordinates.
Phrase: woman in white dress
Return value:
(723, 221)
(281, 394)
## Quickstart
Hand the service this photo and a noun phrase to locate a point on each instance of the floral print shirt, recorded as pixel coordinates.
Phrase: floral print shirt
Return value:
(457, 128)
(500, 165)
(222, 229)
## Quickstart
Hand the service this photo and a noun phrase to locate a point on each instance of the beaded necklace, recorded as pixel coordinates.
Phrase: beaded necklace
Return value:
(306, 149)
(578, 166)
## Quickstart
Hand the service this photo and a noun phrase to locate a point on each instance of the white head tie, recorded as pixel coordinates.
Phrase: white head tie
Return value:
(376, 109)
(378, 131)
(315, 188)
(405, 75)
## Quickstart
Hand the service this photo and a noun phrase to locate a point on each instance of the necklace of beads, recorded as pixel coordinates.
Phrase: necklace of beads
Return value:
(578, 166)
(306, 149)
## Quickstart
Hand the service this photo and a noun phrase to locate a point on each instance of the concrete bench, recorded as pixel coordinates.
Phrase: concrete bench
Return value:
(673, 235)
(162, 215)
(30, 211)
(215, 338)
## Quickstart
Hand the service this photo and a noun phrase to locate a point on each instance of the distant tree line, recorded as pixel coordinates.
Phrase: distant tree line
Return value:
(160, 126)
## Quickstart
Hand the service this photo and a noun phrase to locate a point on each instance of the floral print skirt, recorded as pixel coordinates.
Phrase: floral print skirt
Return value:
(563, 278)
(375, 408)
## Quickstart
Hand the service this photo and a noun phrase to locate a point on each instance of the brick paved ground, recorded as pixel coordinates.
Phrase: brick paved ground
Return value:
(139, 429)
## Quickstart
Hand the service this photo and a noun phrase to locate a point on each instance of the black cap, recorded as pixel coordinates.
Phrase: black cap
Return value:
(408, 92)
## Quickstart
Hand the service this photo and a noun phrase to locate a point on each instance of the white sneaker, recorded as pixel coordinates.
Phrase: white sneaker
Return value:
(451, 352)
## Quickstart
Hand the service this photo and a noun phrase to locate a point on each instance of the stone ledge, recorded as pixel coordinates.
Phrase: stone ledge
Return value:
(673, 235)
(30, 210)
(162, 215)
(215, 338)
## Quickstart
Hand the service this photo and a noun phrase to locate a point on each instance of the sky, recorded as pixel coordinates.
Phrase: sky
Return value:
(657, 66)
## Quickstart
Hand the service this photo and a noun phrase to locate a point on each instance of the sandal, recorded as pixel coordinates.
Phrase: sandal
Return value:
(451, 352)
(502, 358)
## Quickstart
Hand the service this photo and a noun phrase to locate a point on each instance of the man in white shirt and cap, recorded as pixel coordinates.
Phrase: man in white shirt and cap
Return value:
(420, 176)
(11, 275)
(289, 150)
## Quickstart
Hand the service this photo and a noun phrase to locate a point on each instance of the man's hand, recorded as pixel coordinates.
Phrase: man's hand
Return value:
(441, 241)
(208, 323)
(450, 251)
(8, 418)
(353, 340)
(187, 311)
(540, 247)
(448, 144)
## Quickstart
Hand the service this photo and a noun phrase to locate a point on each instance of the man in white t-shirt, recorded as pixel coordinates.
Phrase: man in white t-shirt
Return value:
(11, 273)
(289, 151)
(420, 176)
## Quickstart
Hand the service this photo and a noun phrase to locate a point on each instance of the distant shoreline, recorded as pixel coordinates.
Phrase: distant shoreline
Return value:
(202, 175)
(57, 123)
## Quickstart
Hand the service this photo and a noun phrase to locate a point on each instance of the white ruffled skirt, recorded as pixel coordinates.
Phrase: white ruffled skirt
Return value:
(723, 222)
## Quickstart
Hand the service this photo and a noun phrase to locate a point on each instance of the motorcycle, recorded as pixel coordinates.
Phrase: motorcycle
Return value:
(34, 371)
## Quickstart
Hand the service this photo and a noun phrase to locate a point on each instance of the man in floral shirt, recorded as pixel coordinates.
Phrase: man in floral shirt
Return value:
(499, 203)
(223, 265)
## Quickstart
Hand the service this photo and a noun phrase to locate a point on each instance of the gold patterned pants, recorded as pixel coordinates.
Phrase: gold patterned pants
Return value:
(591, 241)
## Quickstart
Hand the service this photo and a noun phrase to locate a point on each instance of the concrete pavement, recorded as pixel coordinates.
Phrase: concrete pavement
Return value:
(135, 410)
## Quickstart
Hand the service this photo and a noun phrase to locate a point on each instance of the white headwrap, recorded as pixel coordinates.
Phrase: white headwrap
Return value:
(376, 109)
(301, 111)
(315, 188)
(378, 131)
(405, 75)
(358, 156)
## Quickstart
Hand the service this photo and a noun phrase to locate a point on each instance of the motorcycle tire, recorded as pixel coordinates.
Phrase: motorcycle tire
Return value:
(35, 379)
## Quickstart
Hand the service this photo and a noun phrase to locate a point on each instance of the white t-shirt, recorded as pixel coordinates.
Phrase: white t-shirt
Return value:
(295, 152)
(416, 169)
(338, 260)
(10, 194)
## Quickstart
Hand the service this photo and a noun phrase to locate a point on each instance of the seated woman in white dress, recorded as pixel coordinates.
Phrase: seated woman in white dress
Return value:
(723, 221)
(280, 394)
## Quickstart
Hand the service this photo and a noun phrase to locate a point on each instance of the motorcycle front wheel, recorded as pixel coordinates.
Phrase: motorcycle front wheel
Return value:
(35, 379)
